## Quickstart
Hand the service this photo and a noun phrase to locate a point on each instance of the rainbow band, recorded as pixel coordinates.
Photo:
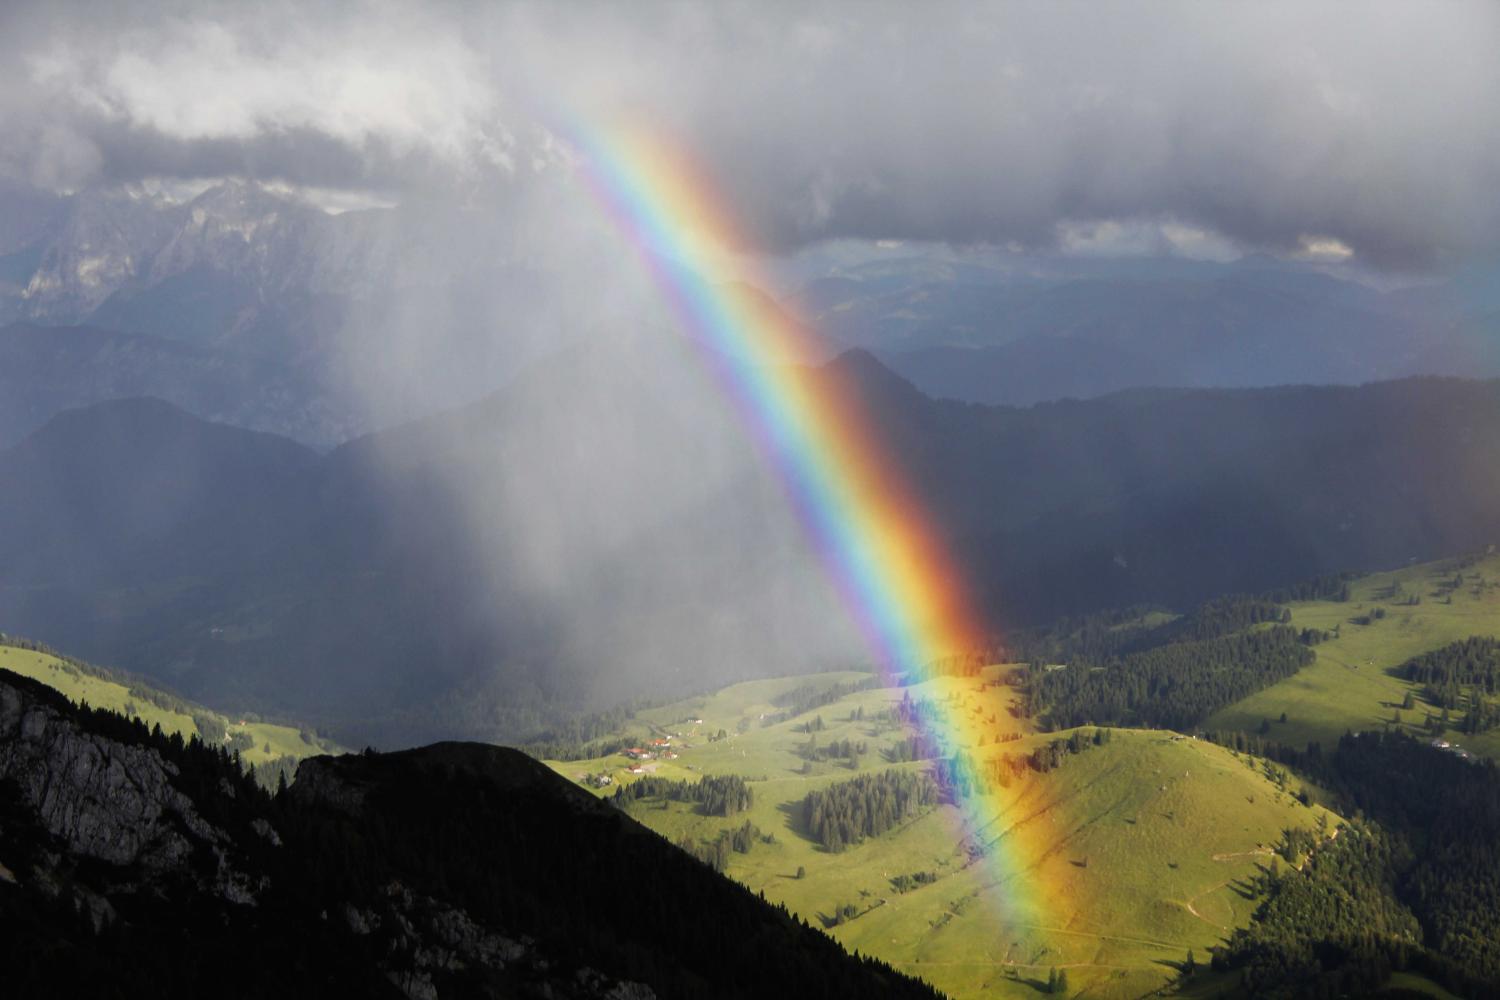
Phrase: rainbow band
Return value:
(870, 531)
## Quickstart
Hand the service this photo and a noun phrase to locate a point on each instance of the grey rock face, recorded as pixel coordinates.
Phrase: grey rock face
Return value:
(318, 782)
(106, 800)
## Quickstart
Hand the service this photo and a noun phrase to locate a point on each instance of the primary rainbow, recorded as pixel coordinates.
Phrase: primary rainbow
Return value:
(870, 530)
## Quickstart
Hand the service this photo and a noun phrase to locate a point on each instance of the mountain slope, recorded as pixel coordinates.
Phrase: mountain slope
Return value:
(1020, 330)
(134, 863)
(573, 540)
(138, 490)
(46, 370)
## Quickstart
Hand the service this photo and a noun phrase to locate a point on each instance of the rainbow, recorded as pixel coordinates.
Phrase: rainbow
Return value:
(870, 530)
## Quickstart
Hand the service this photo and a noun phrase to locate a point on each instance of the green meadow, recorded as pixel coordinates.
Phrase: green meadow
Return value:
(260, 743)
(1351, 686)
(1110, 867)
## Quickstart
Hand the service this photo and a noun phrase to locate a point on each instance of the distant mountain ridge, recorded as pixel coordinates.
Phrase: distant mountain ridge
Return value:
(388, 314)
(44, 370)
(367, 595)
(1025, 331)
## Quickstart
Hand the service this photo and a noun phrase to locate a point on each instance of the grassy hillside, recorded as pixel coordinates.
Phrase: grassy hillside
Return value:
(1351, 685)
(266, 745)
(1130, 853)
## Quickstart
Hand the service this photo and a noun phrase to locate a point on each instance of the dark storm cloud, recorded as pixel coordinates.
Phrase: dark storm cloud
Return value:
(1373, 125)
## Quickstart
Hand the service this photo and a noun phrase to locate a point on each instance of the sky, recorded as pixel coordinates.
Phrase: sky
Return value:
(1328, 130)
(1360, 136)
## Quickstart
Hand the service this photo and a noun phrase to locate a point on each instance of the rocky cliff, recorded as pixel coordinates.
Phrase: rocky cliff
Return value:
(132, 864)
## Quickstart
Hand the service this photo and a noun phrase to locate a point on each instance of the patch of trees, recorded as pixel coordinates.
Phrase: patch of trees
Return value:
(1334, 928)
(584, 737)
(1448, 810)
(1472, 662)
(1430, 843)
(1369, 618)
(1332, 587)
(959, 776)
(715, 853)
(913, 748)
(842, 914)
(808, 697)
(715, 795)
(1095, 636)
(1460, 676)
(1107, 636)
(1173, 687)
(906, 883)
(1222, 617)
(210, 727)
(847, 812)
(845, 750)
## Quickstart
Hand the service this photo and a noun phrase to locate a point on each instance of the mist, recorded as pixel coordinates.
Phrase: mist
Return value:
(447, 250)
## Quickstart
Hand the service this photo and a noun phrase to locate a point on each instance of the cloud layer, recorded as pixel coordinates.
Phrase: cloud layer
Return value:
(1273, 126)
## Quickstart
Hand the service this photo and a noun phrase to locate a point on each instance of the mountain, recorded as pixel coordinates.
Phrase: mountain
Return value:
(131, 863)
(1022, 331)
(45, 370)
(327, 326)
(575, 541)
(331, 324)
(107, 246)
(135, 490)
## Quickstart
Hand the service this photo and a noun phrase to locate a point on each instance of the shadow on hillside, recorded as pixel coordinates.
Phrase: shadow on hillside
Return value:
(792, 814)
(1241, 888)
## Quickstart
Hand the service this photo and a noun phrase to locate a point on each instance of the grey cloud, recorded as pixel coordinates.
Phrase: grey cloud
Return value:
(1373, 125)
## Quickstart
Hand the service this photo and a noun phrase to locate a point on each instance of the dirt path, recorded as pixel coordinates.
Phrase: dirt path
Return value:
(1194, 910)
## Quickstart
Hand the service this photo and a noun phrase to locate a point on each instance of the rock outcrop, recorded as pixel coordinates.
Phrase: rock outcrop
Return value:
(106, 800)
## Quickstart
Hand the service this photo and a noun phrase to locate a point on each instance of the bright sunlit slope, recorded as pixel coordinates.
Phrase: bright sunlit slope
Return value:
(1134, 850)
(1353, 686)
(265, 745)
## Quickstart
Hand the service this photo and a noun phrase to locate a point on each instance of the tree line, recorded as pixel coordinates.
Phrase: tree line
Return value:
(715, 853)
(1415, 885)
(1108, 635)
(1172, 687)
(847, 812)
(1472, 662)
(715, 794)
(1460, 676)
(805, 698)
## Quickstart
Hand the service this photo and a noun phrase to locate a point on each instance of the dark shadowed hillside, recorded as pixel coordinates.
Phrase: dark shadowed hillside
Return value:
(131, 864)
